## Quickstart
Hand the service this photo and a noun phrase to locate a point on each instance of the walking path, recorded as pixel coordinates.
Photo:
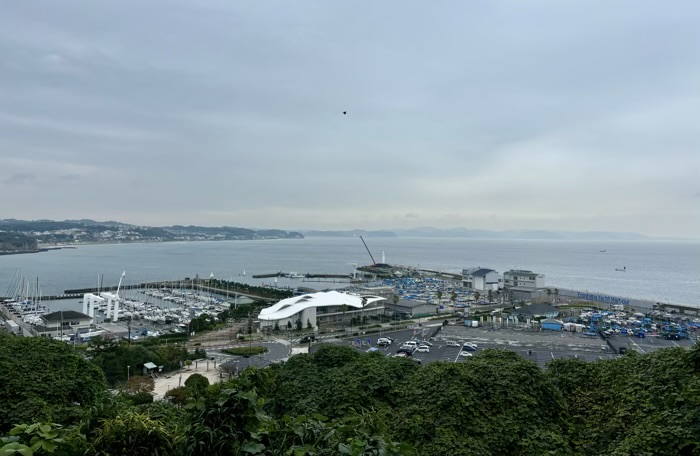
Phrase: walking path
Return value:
(166, 382)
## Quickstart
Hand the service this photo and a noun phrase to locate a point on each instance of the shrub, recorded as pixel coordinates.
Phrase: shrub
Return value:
(140, 398)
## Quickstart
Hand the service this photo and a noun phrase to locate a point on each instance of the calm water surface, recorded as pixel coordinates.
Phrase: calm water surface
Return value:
(661, 271)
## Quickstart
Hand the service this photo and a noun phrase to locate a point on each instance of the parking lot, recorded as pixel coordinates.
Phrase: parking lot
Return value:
(540, 347)
(646, 344)
(439, 351)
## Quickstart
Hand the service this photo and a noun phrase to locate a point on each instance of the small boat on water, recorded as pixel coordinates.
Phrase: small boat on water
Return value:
(603, 251)
(622, 269)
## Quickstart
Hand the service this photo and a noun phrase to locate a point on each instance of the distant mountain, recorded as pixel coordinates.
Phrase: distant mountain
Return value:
(467, 233)
(349, 233)
(86, 230)
(227, 232)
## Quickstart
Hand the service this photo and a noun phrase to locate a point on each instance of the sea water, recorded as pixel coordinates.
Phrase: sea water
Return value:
(655, 270)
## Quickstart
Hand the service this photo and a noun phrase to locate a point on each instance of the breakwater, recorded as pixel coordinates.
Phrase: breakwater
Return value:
(201, 285)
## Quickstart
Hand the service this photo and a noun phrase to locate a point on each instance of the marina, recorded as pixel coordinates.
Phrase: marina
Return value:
(169, 271)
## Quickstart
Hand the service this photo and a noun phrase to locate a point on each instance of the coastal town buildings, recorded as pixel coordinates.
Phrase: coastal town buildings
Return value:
(479, 278)
(63, 323)
(410, 309)
(522, 279)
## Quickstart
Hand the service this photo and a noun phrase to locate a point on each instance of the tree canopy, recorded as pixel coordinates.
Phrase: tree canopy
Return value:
(338, 401)
(45, 380)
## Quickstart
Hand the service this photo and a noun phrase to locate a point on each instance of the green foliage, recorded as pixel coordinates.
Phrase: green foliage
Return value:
(41, 439)
(140, 398)
(178, 396)
(134, 434)
(232, 421)
(335, 379)
(198, 353)
(338, 401)
(44, 380)
(114, 358)
(334, 356)
(196, 384)
(637, 404)
(493, 404)
(224, 423)
(694, 357)
(203, 323)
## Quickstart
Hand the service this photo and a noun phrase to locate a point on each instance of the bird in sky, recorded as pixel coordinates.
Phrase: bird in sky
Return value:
(345, 112)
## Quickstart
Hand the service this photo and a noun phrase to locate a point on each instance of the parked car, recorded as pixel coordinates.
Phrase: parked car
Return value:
(308, 338)
(468, 348)
(423, 349)
(464, 353)
(452, 343)
(471, 344)
(407, 350)
(384, 341)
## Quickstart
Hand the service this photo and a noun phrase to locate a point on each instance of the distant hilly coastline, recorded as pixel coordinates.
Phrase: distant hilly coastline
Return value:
(28, 236)
(25, 236)
(466, 233)
(520, 234)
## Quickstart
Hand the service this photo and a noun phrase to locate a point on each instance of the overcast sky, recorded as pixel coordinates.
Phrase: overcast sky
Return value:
(481, 114)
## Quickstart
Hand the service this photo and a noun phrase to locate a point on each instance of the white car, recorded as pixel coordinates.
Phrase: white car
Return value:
(470, 344)
(463, 353)
(452, 343)
(423, 349)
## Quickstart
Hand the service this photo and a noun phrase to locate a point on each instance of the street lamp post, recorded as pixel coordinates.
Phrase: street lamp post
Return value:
(128, 371)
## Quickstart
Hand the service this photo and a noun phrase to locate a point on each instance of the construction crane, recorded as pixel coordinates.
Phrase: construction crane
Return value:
(370, 253)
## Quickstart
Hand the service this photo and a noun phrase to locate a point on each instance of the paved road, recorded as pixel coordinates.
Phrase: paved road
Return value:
(276, 352)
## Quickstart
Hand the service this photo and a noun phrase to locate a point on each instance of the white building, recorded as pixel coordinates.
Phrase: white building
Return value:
(479, 278)
(109, 302)
(523, 280)
(324, 306)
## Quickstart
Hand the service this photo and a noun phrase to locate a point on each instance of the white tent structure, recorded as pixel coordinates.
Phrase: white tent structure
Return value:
(304, 308)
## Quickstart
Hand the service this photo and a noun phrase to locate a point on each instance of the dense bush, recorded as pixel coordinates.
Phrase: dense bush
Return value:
(340, 401)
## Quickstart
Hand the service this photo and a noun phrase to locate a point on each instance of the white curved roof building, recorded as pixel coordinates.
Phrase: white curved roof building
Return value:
(304, 307)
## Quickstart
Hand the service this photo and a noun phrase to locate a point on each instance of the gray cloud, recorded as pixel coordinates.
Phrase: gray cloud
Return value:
(486, 115)
(19, 179)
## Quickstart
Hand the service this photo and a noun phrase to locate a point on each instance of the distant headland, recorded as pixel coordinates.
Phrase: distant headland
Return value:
(23, 236)
(31, 236)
